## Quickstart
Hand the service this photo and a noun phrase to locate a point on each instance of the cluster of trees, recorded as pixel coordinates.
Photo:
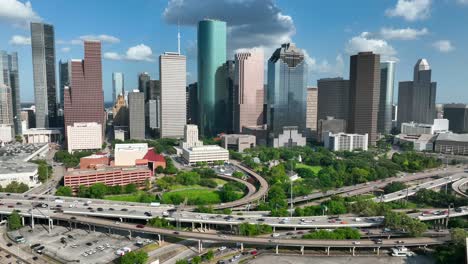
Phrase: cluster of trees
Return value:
(208, 256)
(44, 170)
(160, 222)
(231, 191)
(99, 190)
(15, 187)
(134, 257)
(70, 160)
(412, 161)
(401, 221)
(14, 221)
(339, 233)
(209, 210)
(64, 191)
(438, 199)
(454, 252)
(195, 177)
(394, 187)
(246, 229)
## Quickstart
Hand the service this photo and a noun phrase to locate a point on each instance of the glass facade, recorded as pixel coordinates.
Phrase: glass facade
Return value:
(212, 90)
(387, 79)
(286, 90)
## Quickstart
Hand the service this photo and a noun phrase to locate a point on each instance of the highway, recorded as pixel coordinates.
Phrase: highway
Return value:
(457, 187)
(371, 186)
(426, 185)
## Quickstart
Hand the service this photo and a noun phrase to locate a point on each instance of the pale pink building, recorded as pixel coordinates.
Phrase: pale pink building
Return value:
(248, 89)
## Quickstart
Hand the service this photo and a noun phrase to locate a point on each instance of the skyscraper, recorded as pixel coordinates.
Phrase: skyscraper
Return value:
(192, 104)
(43, 57)
(416, 99)
(457, 114)
(364, 93)
(229, 70)
(311, 115)
(136, 112)
(143, 84)
(117, 85)
(10, 92)
(387, 79)
(333, 98)
(83, 99)
(64, 76)
(172, 74)
(287, 91)
(211, 77)
(248, 89)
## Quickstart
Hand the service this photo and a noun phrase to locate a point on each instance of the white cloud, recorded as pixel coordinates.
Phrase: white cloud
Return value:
(403, 33)
(104, 38)
(443, 46)
(20, 40)
(18, 13)
(250, 23)
(316, 67)
(462, 2)
(365, 42)
(65, 49)
(411, 10)
(139, 52)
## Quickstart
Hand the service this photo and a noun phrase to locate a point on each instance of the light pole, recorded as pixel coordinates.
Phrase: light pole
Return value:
(292, 202)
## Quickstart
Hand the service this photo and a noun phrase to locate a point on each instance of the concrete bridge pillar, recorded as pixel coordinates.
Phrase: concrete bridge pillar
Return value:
(353, 250)
(200, 246)
(378, 251)
(241, 247)
(22, 221)
(328, 251)
(32, 220)
(302, 250)
(193, 226)
(277, 250)
(159, 239)
(130, 233)
(274, 229)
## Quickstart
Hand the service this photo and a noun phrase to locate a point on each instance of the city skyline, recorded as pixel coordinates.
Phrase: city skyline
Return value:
(405, 37)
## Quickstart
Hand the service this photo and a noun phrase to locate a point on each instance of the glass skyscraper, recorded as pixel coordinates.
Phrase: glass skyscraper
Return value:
(117, 85)
(212, 90)
(286, 90)
(387, 79)
(10, 108)
(43, 58)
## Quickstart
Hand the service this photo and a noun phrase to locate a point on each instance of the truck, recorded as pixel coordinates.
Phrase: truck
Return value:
(155, 204)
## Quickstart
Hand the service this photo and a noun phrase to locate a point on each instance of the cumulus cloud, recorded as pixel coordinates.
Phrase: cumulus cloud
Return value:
(20, 40)
(366, 42)
(462, 2)
(17, 13)
(443, 46)
(321, 67)
(403, 33)
(65, 49)
(139, 52)
(411, 10)
(250, 23)
(103, 38)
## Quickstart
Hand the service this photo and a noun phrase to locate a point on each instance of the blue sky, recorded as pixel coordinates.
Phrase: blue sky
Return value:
(134, 33)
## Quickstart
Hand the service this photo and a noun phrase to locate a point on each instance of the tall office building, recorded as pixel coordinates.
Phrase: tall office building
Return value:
(117, 85)
(311, 121)
(120, 112)
(172, 74)
(364, 94)
(136, 112)
(143, 84)
(248, 89)
(192, 104)
(84, 99)
(43, 58)
(416, 99)
(457, 114)
(229, 70)
(10, 103)
(387, 79)
(333, 98)
(212, 89)
(153, 105)
(287, 92)
(153, 89)
(64, 75)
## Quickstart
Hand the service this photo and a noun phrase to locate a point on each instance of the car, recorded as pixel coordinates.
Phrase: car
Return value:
(241, 218)
(176, 232)
(378, 241)
(261, 220)
(73, 218)
(41, 198)
(10, 206)
(275, 235)
(222, 248)
(40, 248)
(458, 209)
(300, 233)
(400, 242)
(100, 209)
(9, 244)
(356, 242)
(89, 208)
(35, 258)
(89, 244)
(58, 205)
(289, 233)
(111, 209)
(35, 245)
(8, 194)
(70, 236)
(148, 214)
(140, 226)
(124, 209)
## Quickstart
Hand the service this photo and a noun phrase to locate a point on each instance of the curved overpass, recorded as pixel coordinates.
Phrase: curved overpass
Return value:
(457, 187)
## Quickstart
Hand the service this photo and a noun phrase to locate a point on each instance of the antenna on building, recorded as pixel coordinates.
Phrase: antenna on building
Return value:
(178, 37)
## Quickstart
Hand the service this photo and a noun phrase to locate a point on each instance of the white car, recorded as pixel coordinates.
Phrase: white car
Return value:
(275, 235)
(356, 242)
(222, 248)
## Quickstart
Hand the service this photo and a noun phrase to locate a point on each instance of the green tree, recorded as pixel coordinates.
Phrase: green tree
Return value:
(134, 257)
(209, 255)
(97, 190)
(159, 170)
(130, 188)
(14, 221)
(196, 260)
(238, 174)
(16, 187)
(64, 191)
(182, 261)
(83, 191)
(394, 187)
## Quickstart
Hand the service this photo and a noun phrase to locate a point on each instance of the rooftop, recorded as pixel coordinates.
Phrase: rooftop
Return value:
(74, 172)
(153, 156)
(10, 165)
(131, 147)
(453, 137)
(205, 148)
(19, 150)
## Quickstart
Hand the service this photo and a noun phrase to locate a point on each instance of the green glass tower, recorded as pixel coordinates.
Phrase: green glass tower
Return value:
(212, 88)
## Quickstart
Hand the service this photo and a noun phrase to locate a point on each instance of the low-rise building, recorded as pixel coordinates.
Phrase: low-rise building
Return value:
(451, 143)
(108, 175)
(127, 154)
(290, 137)
(6, 133)
(84, 136)
(423, 142)
(439, 126)
(344, 141)
(41, 135)
(208, 154)
(120, 134)
(238, 142)
(94, 161)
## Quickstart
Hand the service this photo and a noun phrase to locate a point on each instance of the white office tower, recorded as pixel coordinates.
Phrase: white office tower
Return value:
(84, 136)
(172, 74)
(344, 141)
(117, 85)
(191, 137)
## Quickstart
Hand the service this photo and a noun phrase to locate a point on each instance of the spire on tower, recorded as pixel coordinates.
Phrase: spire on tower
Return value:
(178, 38)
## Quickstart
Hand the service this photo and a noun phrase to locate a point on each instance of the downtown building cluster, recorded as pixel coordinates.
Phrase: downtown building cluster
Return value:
(235, 96)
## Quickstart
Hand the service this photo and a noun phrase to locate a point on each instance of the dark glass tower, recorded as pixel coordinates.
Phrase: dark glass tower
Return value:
(387, 79)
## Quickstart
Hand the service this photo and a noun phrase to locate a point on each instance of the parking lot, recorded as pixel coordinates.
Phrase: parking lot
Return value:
(79, 245)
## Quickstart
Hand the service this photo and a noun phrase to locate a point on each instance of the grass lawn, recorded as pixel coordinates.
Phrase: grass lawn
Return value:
(194, 196)
(131, 197)
(315, 169)
(176, 187)
(220, 182)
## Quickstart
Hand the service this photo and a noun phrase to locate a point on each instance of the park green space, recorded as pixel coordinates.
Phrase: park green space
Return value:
(131, 197)
(315, 169)
(193, 196)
